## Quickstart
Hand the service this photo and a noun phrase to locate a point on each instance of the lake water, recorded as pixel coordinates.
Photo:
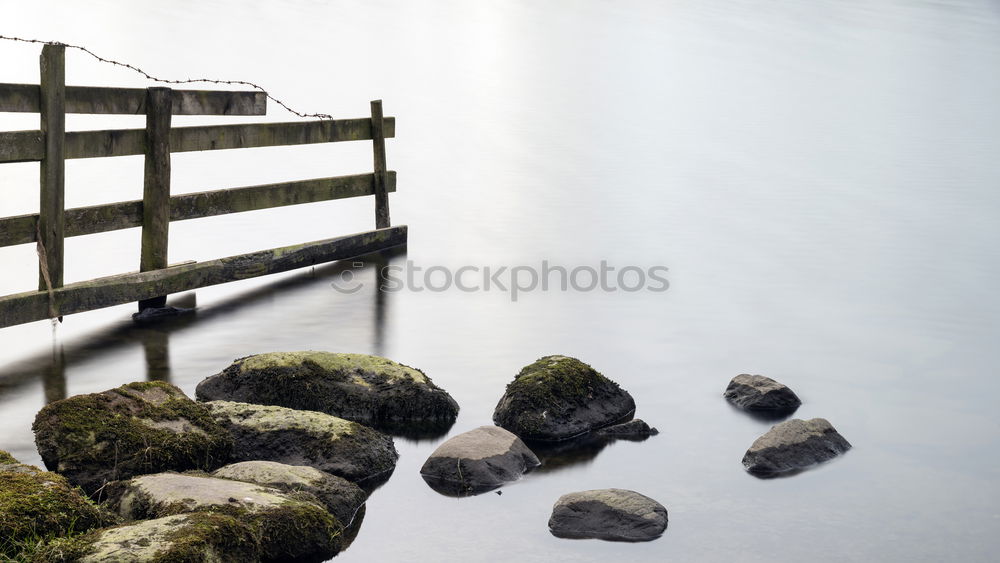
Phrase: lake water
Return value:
(821, 179)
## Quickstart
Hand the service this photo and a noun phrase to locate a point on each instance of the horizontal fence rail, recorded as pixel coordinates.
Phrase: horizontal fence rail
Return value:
(107, 217)
(26, 98)
(126, 288)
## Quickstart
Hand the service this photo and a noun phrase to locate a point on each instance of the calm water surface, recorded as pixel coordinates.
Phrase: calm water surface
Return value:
(820, 178)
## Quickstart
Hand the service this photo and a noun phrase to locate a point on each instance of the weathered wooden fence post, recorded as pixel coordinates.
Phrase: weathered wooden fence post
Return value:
(378, 145)
(156, 187)
(51, 224)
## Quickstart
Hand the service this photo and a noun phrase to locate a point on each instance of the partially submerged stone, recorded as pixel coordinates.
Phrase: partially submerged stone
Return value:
(608, 514)
(477, 461)
(201, 537)
(371, 390)
(634, 429)
(36, 504)
(557, 398)
(131, 430)
(794, 444)
(761, 394)
(288, 526)
(295, 437)
(340, 497)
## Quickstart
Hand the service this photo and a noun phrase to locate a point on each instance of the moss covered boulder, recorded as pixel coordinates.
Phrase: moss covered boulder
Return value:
(368, 389)
(7, 458)
(131, 430)
(558, 398)
(289, 526)
(37, 505)
(201, 537)
(340, 497)
(296, 437)
(477, 461)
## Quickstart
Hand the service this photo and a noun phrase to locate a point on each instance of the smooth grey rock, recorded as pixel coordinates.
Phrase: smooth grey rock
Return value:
(341, 497)
(288, 526)
(295, 437)
(633, 429)
(558, 398)
(794, 444)
(608, 514)
(138, 428)
(477, 461)
(759, 393)
(371, 390)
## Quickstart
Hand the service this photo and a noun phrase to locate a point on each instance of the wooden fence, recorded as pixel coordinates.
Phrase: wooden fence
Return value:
(51, 145)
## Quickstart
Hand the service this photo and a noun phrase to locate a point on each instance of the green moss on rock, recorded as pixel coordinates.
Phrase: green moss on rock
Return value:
(6, 458)
(131, 430)
(36, 505)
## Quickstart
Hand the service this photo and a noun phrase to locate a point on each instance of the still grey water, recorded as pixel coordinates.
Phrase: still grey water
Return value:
(821, 178)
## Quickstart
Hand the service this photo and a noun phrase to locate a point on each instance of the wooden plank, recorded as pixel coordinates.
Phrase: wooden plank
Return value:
(125, 288)
(378, 147)
(52, 193)
(128, 214)
(21, 146)
(132, 101)
(125, 142)
(156, 188)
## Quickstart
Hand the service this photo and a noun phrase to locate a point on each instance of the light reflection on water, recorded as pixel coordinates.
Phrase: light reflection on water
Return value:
(819, 177)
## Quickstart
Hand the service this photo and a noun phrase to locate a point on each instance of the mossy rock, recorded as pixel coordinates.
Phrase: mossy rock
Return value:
(201, 537)
(374, 391)
(296, 437)
(341, 497)
(131, 430)
(289, 526)
(558, 398)
(36, 505)
(7, 458)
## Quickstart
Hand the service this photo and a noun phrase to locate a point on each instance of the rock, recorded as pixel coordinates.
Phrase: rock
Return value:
(477, 461)
(289, 526)
(368, 389)
(557, 398)
(758, 393)
(635, 429)
(295, 437)
(131, 430)
(340, 497)
(794, 444)
(608, 514)
(35, 504)
(201, 537)
(7, 458)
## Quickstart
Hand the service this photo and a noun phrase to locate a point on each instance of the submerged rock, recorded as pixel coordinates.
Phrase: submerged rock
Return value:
(608, 514)
(557, 398)
(794, 444)
(477, 461)
(761, 394)
(635, 429)
(131, 430)
(367, 389)
(288, 526)
(340, 497)
(37, 504)
(295, 437)
(201, 537)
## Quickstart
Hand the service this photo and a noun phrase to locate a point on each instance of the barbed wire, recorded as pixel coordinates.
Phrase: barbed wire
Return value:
(169, 81)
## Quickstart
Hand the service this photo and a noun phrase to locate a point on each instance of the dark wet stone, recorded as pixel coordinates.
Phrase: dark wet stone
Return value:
(792, 445)
(558, 398)
(608, 514)
(295, 437)
(340, 497)
(131, 430)
(477, 461)
(156, 313)
(761, 394)
(633, 429)
(368, 389)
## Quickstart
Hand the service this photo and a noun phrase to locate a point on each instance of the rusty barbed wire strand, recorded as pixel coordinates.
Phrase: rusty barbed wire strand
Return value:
(169, 81)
